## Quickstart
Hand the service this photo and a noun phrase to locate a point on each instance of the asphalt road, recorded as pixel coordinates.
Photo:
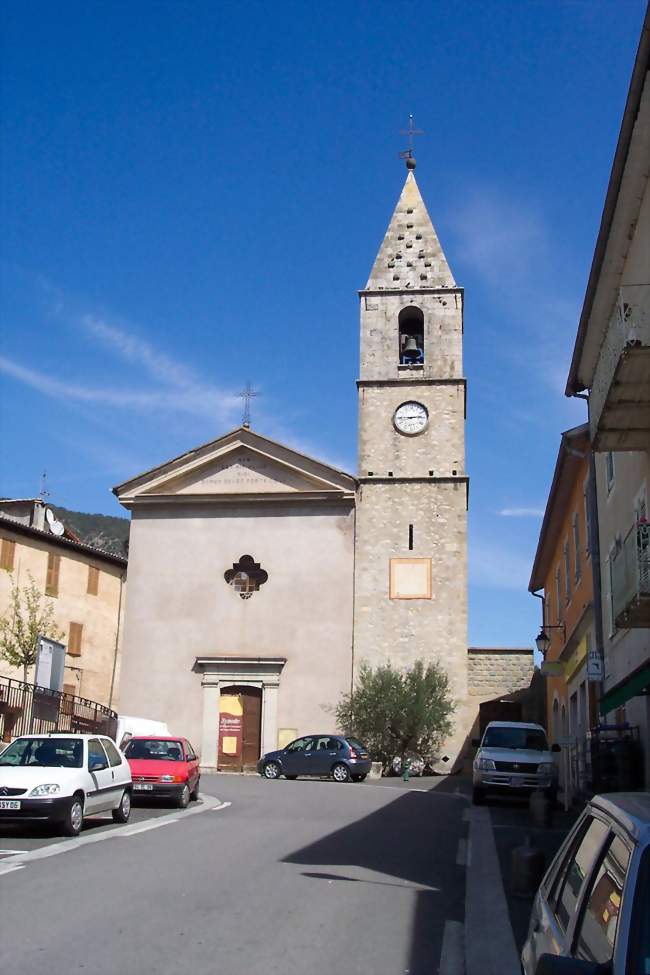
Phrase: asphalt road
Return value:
(305, 877)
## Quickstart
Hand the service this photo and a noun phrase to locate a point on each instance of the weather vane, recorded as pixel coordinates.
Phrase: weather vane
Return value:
(410, 133)
(247, 394)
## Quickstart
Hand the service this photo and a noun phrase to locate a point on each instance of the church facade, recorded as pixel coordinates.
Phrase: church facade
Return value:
(260, 579)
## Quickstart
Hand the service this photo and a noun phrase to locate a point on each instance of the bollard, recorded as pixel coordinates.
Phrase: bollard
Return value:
(527, 867)
(405, 773)
(540, 809)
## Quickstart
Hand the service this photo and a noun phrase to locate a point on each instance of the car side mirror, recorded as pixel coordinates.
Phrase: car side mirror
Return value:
(476, 742)
(562, 965)
(555, 748)
(96, 765)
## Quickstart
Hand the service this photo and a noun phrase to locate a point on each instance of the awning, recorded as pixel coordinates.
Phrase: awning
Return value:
(637, 683)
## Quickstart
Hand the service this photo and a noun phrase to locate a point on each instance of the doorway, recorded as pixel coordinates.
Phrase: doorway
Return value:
(240, 728)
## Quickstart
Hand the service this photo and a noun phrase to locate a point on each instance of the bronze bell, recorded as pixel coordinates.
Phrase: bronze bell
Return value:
(410, 349)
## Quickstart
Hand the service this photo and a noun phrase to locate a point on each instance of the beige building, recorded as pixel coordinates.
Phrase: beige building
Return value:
(238, 628)
(260, 579)
(86, 588)
(611, 361)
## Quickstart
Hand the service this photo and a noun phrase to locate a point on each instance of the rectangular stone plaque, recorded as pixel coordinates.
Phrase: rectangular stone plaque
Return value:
(410, 578)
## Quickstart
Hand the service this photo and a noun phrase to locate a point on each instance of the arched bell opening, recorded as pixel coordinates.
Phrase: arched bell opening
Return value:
(411, 336)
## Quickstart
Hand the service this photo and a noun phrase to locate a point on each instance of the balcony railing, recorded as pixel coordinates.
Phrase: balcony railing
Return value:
(620, 393)
(26, 709)
(631, 579)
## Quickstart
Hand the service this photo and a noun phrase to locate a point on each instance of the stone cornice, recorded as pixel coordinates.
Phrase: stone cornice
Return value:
(411, 380)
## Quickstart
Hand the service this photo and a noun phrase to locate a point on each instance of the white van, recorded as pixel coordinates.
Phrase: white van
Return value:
(128, 726)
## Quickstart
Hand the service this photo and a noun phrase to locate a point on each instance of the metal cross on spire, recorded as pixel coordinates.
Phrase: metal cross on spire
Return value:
(410, 132)
(247, 394)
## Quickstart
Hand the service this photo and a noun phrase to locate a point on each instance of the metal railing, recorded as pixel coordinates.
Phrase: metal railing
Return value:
(631, 570)
(26, 709)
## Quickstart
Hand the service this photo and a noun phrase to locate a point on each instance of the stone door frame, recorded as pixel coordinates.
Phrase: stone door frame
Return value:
(220, 672)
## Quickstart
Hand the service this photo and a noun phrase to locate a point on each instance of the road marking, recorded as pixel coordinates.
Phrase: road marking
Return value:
(224, 805)
(13, 868)
(68, 846)
(452, 955)
(486, 908)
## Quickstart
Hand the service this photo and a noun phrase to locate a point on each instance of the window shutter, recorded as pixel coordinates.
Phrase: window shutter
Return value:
(93, 581)
(52, 580)
(74, 639)
(7, 554)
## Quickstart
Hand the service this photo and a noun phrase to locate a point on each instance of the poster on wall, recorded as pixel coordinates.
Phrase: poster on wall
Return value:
(230, 733)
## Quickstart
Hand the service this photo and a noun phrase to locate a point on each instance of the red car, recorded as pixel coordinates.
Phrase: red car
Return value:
(164, 768)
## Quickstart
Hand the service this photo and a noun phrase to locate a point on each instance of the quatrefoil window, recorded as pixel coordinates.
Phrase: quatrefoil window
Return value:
(246, 576)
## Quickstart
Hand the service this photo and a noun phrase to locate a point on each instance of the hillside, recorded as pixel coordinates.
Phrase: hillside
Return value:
(102, 531)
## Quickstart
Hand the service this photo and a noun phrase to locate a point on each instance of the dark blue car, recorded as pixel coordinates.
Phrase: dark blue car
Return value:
(342, 759)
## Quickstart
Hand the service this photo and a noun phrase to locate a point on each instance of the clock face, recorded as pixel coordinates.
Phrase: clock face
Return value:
(411, 418)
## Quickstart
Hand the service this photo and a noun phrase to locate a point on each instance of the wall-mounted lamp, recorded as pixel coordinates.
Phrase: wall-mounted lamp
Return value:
(543, 640)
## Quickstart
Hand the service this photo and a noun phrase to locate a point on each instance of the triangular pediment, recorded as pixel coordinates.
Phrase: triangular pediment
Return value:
(410, 256)
(242, 463)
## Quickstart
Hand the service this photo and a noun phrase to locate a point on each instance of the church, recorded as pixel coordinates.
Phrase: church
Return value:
(260, 579)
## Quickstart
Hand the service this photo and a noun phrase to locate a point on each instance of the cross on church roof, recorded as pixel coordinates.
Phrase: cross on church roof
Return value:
(247, 394)
(410, 133)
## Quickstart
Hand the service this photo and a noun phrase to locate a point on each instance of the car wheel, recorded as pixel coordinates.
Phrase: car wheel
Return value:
(74, 817)
(183, 800)
(358, 778)
(341, 773)
(194, 794)
(478, 796)
(272, 770)
(123, 811)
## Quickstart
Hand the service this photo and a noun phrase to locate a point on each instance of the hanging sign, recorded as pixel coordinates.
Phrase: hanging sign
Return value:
(594, 665)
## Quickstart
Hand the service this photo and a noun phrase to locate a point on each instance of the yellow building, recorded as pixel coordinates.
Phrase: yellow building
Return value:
(86, 587)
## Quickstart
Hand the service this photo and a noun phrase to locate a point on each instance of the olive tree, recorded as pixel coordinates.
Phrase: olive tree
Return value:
(398, 711)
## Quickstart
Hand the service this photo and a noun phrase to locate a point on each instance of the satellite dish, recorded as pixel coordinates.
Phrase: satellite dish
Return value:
(56, 527)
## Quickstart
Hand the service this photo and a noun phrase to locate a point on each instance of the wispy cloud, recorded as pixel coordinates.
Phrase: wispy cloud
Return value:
(507, 242)
(502, 238)
(494, 567)
(164, 384)
(521, 512)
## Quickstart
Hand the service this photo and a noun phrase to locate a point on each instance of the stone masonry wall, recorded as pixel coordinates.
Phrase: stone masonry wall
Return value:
(494, 671)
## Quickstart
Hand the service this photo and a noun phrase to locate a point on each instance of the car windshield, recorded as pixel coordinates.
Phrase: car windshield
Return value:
(531, 739)
(154, 750)
(44, 753)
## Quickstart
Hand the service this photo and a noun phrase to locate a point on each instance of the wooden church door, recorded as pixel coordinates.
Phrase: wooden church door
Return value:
(240, 727)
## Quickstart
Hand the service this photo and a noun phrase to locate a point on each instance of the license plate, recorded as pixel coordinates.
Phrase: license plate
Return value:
(143, 787)
(9, 804)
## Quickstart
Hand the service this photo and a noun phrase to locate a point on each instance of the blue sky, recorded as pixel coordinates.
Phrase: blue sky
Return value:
(192, 193)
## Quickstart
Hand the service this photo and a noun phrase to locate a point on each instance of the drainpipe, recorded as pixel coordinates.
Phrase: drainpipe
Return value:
(117, 640)
(594, 552)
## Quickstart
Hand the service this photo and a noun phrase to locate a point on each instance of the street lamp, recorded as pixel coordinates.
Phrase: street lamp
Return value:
(543, 640)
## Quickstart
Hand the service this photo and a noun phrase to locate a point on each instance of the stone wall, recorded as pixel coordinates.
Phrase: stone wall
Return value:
(493, 671)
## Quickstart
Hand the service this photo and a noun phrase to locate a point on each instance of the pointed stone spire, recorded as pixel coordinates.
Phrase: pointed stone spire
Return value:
(410, 256)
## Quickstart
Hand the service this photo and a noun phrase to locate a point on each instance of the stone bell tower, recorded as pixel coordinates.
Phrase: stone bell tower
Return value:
(411, 531)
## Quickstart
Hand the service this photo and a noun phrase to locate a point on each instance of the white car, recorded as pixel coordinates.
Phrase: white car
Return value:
(62, 778)
(513, 758)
